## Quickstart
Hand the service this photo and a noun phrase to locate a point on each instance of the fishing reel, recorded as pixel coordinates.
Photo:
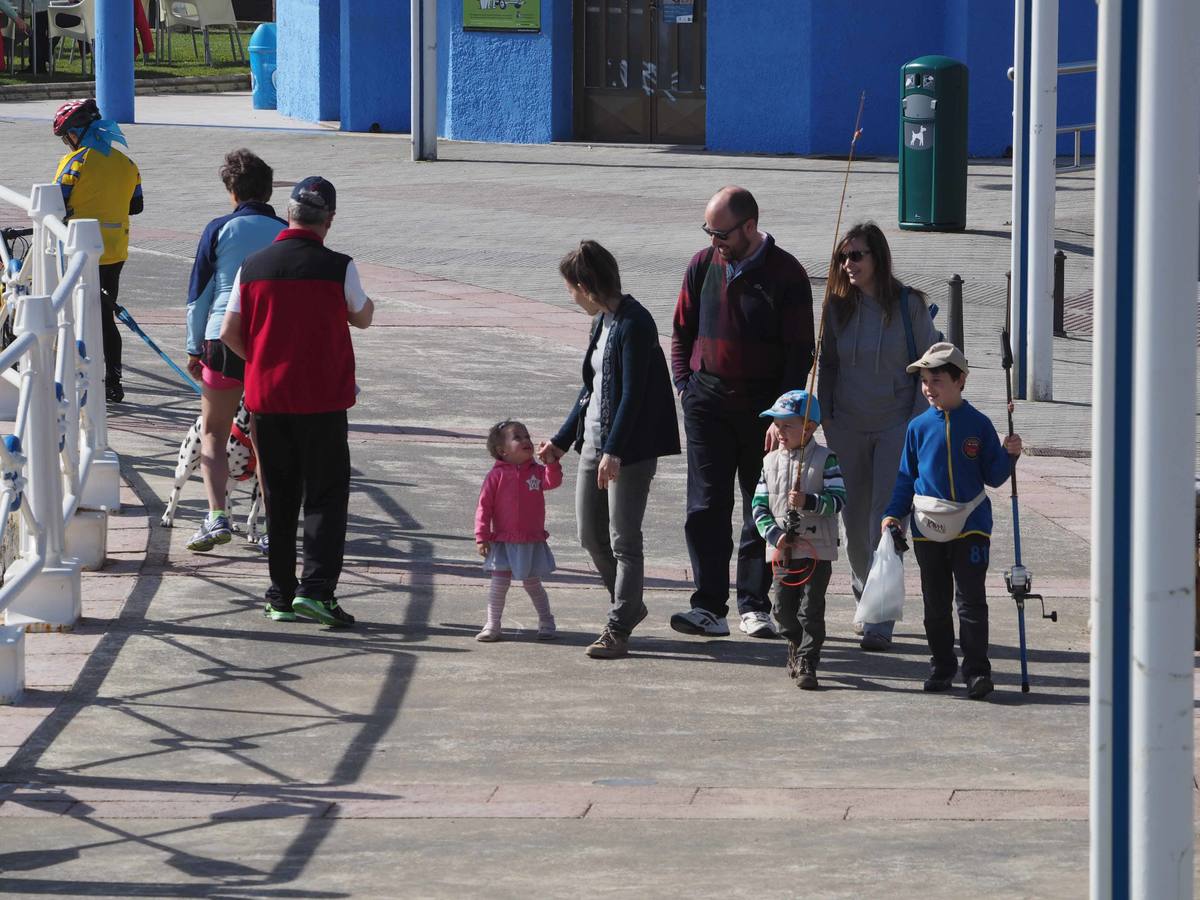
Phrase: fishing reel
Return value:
(794, 573)
(1019, 581)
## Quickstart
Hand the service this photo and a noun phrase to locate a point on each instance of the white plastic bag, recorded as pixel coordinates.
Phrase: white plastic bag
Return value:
(883, 594)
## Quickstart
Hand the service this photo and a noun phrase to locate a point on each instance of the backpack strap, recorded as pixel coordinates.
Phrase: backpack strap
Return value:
(906, 315)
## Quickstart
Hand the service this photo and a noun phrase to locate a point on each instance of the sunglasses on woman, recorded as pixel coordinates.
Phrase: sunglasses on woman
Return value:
(852, 255)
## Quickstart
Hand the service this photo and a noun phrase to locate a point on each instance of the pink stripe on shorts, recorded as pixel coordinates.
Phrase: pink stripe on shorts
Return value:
(216, 380)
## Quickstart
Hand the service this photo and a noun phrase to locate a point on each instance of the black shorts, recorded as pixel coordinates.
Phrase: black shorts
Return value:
(216, 356)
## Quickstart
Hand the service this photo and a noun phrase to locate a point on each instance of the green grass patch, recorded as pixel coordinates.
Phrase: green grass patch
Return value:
(184, 62)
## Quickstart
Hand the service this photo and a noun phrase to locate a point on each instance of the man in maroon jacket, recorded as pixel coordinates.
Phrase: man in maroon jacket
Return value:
(743, 335)
(287, 317)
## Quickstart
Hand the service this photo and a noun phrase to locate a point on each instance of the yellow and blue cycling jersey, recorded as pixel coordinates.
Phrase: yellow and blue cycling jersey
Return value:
(107, 188)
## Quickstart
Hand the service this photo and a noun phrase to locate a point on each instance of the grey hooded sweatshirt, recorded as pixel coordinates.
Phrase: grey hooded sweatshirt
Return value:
(863, 385)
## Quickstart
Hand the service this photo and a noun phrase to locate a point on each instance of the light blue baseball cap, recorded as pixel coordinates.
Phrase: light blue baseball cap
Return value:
(792, 404)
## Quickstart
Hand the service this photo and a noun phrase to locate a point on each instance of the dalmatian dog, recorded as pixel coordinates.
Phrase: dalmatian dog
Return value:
(242, 465)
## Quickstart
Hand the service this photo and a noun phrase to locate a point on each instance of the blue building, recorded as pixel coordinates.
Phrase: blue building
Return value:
(773, 76)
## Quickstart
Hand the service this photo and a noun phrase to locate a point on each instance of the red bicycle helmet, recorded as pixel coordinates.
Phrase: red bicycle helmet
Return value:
(75, 114)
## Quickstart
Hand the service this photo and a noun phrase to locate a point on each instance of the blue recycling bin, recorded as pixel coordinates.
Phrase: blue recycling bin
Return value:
(262, 66)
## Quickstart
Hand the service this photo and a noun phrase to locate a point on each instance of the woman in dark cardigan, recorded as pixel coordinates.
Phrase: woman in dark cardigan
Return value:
(623, 421)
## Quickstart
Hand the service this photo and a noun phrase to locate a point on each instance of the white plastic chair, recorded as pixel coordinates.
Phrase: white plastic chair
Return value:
(200, 16)
(73, 20)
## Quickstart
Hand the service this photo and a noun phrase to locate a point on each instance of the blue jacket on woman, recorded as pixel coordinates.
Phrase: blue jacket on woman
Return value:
(637, 404)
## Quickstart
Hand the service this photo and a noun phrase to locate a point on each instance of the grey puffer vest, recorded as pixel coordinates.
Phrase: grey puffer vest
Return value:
(779, 470)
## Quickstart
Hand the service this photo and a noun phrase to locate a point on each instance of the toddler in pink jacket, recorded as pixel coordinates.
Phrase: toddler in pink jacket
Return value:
(510, 525)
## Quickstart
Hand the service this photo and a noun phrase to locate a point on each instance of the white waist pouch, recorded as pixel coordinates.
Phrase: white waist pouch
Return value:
(942, 520)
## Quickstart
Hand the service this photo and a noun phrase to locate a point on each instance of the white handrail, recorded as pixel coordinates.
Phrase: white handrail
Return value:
(50, 464)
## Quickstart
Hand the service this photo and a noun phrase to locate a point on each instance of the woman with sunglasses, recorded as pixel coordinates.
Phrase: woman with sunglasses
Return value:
(623, 421)
(866, 396)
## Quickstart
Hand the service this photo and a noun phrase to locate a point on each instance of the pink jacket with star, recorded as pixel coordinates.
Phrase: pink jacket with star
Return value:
(512, 507)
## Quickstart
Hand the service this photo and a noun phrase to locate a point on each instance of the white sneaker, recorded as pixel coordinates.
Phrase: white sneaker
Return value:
(699, 621)
(490, 633)
(757, 624)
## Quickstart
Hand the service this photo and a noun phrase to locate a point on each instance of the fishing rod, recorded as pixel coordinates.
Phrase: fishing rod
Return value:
(123, 314)
(792, 519)
(1018, 579)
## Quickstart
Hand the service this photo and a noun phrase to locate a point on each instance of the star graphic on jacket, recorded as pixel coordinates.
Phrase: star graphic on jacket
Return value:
(534, 482)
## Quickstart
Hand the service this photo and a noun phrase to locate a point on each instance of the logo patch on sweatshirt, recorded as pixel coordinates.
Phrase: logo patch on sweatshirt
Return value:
(970, 447)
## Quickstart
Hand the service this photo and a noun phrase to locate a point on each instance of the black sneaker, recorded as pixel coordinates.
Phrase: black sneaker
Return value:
(936, 684)
(327, 612)
(979, 687)
(806, 676)
(113, 392)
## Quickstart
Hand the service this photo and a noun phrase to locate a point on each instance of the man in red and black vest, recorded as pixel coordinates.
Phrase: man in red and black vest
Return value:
(287, 317)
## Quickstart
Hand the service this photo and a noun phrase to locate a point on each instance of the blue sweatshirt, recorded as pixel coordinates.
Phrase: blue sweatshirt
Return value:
(950, 456)
(225, 243)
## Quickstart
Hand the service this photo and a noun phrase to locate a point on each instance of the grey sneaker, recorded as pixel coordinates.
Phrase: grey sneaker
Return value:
(214, 530)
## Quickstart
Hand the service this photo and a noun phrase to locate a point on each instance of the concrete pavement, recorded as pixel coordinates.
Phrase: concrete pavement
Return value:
(185, 746)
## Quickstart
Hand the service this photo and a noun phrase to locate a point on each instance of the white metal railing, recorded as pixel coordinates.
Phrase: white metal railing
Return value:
(1075, 68)
(56, 469)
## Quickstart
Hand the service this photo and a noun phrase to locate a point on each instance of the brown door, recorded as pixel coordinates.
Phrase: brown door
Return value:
(639, 70)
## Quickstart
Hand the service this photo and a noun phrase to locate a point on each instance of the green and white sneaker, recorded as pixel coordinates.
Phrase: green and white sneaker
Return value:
(275, 614)
(325, 612)
(214, 530)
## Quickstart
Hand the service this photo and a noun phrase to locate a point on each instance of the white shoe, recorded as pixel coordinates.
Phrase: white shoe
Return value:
(490, 634)
(699, 621)
(859, 628)
(757, 624)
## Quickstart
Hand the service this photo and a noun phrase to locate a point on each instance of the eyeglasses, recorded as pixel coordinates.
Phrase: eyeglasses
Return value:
(852, 255)
(722, 235)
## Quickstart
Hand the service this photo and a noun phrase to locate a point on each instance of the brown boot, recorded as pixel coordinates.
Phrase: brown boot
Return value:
(806, 676)
(793, 658)
(610, 645)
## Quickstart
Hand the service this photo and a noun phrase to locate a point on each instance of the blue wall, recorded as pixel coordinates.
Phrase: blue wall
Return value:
(509, 87)
(308, 75)
(796, 89)
(376, 72)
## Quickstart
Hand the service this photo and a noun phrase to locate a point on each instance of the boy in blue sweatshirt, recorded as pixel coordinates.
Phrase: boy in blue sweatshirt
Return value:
(951, 454)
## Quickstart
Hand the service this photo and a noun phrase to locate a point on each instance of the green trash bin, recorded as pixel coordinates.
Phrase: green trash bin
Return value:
(933, 144)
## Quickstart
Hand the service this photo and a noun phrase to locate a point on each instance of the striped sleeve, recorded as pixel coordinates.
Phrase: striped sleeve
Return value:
(833, 495)
(764, 519)
(68, 174)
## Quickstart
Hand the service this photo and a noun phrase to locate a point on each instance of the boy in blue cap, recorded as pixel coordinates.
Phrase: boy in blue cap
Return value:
(951, 453)
(799, 495)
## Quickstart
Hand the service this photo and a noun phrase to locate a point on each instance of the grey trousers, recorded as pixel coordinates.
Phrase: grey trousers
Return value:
(610, 530)
(869, 461)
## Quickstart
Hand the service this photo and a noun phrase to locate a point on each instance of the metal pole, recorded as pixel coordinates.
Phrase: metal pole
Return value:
(1060, 290)
(1022, 14)
(114, 59)
(1110, 502)
(1038, 287)
(954, 317)
(1164, 384)
(423, 114)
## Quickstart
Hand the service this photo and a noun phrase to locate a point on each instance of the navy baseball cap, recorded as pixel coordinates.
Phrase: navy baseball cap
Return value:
(316, 192)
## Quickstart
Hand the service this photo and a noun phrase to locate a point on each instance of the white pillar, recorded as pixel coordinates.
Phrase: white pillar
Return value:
(1020, 192)
(424, 112)
(1039, 288)
(1110, 487)
(1164, 388)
